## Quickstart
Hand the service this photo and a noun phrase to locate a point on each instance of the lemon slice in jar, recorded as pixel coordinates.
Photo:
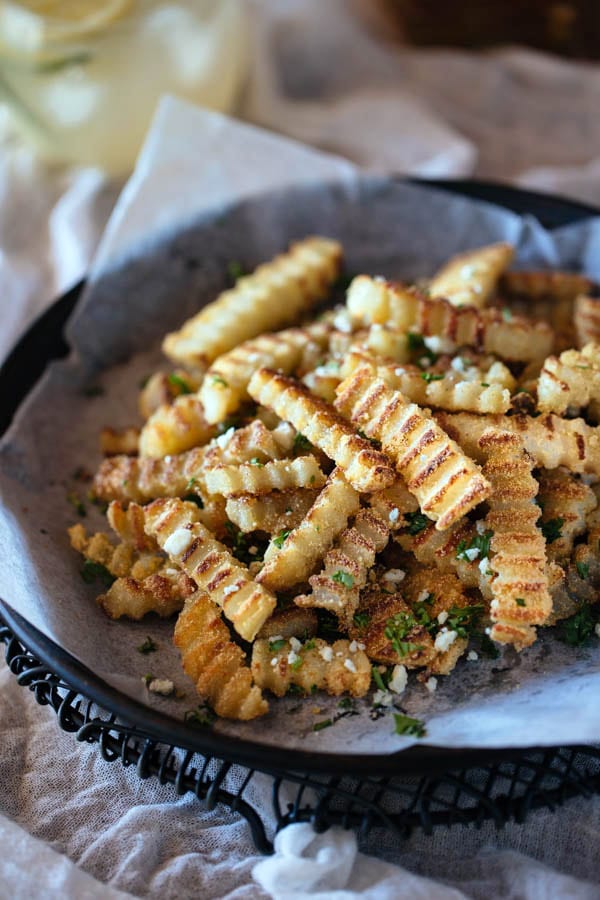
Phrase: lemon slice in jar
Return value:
(34, 28)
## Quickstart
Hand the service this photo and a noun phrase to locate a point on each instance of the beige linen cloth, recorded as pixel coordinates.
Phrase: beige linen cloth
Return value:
(73, 826)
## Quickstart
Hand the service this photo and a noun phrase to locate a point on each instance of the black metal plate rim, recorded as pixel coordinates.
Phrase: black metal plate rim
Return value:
(415, 760)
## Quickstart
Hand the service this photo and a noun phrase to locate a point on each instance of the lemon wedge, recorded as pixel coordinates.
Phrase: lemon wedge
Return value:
(33, 27)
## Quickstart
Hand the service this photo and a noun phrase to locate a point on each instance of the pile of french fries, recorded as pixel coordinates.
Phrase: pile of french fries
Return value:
(320, 496)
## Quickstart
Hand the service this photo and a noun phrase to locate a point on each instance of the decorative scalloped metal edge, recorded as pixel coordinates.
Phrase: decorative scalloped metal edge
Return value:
(505, 791)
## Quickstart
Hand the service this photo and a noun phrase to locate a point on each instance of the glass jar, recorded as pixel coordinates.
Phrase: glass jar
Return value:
(83, 87)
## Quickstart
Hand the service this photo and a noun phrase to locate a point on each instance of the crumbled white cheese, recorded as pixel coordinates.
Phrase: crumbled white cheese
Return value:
(394, 515)
(360, 646)
(472, 656)
(399, 371)
(276, 637)
(292, 657)
(422, 596)
(424, 362)
(472, 553)
(178, 542)
(274, 661)
(382, 698)
(444, 640)
(484, 567)
(295, 644)
(353, 647)
(326, 653)
(458, 365)
(431, 684)
(442, 617)
(399, 679)
(380, 279)
(171, 572)
(168, 459)
(162, 686)
(438, 344)
(342, 323)
(231, 589)
(339, 653)
(394, 575)
(348, 664)
(480, 526)
(224, 438)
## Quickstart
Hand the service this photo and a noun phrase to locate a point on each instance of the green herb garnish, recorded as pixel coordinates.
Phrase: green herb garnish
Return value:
(583, 570)
(177, 382)
(301, 443)
(342, 577)
(416, 343)
(280, 539)
(201, 717)
(297, 663)
(77, 503)
(380, 680)
(520, 601)
(552, 529)
(416, 522)
(361, 620)
(92, 571)
(216, 379)
(235, 270)
(147, 647)
(578, 628)
(429, 377)
(409, 726)
(480, 542)
(319, 726)
(255, 461)
(310, 644)
(463, 619)
(397, 628)
(275, 646)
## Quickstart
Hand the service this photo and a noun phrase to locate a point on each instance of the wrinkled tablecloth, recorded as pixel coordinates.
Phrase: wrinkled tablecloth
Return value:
(73, 826)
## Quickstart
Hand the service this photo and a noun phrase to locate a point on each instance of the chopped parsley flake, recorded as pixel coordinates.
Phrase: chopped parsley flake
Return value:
(429, 377)
(177, 382)
(275, 646)
(578, 628)
(484, 384)
(552, 529)
(583, 570)
(201, 717)
(319, 726)
(361, 619)
(310, 645)
(416, 522)
(342, 577)
(416, 343)
(280, 539)
(91, 571)
(216, 379)
(397, 628)
(297, 663)
(480, 542)
(255, 461)
(520, 601)
(77, 503)
(235, 270)
(409, 726)
(381, 679)
(147, 647)
(463, 619)
(301, 443)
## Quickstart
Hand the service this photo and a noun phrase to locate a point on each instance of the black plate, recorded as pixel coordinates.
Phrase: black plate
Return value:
(43, 342)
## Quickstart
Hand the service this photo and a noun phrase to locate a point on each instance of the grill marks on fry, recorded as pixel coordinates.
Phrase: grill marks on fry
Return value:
(445, 482)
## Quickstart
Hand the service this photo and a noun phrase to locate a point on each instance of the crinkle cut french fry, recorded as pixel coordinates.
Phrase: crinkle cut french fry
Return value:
(210, 564)
(470, 278)
(273, 512)
(365, 468)
(333, 668)
(214, 663)
(513, 338)
(392, 504)
(290, 621)
(337, 587)
(225, 385)
(446, 483)
(121, 561)
(562, 496)
(161, 389)
(127, 478)
(571, 381)
(128, 524)
(176, 428)
(276, 294)
(278, 475)
(519, 582)
(552, 441)
(470, 389)
(162, 593)
(552, 285)
(307, 544)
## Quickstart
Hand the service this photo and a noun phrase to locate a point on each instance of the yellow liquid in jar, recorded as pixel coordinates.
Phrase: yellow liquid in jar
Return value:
(91, 100)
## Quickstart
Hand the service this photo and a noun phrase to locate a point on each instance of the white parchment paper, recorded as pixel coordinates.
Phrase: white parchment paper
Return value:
(159, 263)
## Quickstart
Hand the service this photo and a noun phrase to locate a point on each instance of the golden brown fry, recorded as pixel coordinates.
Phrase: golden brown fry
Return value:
(225, 386)
(337, 587)
(552, 285)
(509, 337)
(587, 320)
(291, 621)
(214, 663)
(446, 483)
(128, 525)
(125, 478)
(162, 388)
(210, 564)
(570, 382)
(176, 428)
(315, 665)
(98, 548)
(303, 547)
(162, 593)
(262, 478)
(552, 441)
(273, 512)
(276, 294)
(113, 442)
(517, 564)
(365, 468)
(470, 278)
(392, 504)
